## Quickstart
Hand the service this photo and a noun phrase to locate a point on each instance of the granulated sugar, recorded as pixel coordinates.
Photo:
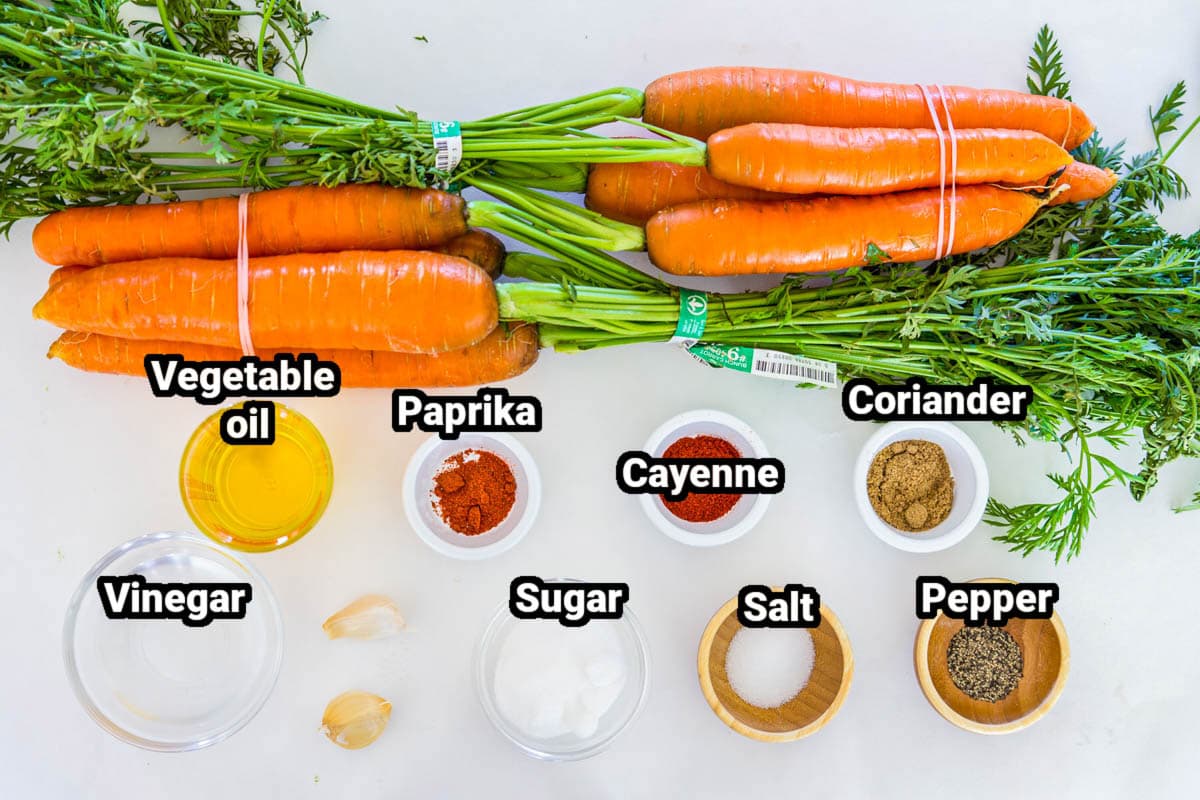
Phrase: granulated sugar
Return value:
(769, 666)
(554, 681)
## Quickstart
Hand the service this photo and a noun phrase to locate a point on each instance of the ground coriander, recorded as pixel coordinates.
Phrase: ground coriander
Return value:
(910, 485)
(985, 662)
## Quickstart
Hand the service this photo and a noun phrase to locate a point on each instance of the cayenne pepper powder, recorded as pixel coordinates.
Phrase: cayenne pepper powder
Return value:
(697, 507)
(474, 491)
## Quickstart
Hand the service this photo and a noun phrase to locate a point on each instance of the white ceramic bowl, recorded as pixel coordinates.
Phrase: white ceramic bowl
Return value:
(743, 516)
(419, 482)
(970, 485)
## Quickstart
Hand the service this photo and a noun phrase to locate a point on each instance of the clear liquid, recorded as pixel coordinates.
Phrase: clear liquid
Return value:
(167, 674)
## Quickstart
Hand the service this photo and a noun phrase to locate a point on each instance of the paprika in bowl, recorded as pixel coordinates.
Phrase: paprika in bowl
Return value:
(705, 520)
(473, 497)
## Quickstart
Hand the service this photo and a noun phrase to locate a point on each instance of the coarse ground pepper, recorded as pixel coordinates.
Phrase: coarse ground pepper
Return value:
(474, 491)
(985, 662)
(697, 507)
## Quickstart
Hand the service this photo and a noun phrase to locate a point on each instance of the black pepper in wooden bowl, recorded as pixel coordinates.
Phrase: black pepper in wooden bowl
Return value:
(985, 662)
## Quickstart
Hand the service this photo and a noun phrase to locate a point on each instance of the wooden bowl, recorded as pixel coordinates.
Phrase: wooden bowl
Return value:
(1047, 659)
(804, 714)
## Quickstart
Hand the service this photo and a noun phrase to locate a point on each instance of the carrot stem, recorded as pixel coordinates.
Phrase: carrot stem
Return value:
(267, 11)
(169, 29)
(570, 221)
(1180, 139)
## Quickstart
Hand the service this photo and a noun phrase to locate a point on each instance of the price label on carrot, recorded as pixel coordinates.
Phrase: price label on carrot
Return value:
(447, 145)
(768, 364)
(693, 316)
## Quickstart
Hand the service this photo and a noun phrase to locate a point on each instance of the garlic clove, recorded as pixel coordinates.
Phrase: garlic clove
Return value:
(355, 719)
(371, 616)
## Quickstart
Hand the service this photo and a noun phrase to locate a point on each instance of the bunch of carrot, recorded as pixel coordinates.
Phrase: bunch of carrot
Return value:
(809, 172)
(389, 283)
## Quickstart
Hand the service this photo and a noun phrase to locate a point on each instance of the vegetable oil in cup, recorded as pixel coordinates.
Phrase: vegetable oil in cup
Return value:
(257, 497)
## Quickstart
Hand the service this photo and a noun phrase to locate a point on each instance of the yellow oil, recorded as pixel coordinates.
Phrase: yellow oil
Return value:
(257, 497)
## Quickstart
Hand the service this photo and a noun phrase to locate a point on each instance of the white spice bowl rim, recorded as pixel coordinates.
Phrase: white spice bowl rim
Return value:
(971, 461)
(682, 531)
(508, 533)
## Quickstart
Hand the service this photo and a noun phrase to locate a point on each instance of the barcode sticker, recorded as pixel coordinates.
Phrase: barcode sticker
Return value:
(768, 364)
(785, 366)
(447, 145)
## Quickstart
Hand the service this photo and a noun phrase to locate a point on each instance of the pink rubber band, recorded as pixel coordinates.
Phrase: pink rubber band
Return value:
(945, 243)
(953, 170)
(243, 276)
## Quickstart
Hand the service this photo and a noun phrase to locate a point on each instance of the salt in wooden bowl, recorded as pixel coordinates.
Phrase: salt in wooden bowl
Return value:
(804, 714)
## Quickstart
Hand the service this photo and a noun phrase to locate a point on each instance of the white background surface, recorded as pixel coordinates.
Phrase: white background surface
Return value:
(91, 461)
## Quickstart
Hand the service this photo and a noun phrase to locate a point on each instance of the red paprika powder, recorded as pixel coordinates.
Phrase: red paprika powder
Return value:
(698, 507)
(474, 491)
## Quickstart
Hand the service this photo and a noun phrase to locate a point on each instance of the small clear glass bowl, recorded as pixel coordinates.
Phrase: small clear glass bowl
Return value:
(162, 685)
(616, 719)
(211, 468)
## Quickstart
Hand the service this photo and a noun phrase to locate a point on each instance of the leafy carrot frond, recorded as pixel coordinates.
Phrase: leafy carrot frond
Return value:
(84, 95)
(1095, 152)
(1150, 182)
(1046, 73)
(1166, 118)
(102, 14)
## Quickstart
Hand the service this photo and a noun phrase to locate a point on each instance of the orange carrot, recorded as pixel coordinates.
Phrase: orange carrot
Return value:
(1083, 182)
(703, 101)
(502, 354)
(478, 247)
(63, 273)
(806, 159)
(308, 219)
(633, 193)
(734, 237)
(405, 301)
